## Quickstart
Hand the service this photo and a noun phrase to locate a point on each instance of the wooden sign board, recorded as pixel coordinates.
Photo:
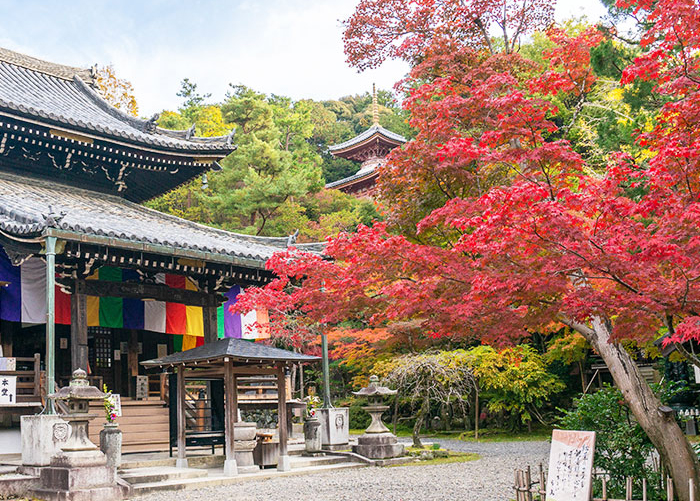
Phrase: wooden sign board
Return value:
(8, 390)
(570, 465)
(141, 387)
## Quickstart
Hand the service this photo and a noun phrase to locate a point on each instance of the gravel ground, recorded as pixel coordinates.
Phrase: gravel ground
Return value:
(487, 479)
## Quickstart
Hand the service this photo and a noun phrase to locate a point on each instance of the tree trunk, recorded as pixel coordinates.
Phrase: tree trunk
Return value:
(661, 428)
(422, 413)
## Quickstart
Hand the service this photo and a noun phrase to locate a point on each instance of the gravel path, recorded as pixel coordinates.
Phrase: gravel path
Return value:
(487, 479)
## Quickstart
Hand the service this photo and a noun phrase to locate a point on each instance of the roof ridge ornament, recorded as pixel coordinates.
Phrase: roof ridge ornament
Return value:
(152, 124)
(191, 131)
(292, 239)
(229, 137)
(53, 220)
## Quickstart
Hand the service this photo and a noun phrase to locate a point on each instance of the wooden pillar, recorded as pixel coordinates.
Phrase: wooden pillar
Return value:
(234, 399)
(230, 391)
(211, 328)
(78, 328)
(283, 462)
(181, 422)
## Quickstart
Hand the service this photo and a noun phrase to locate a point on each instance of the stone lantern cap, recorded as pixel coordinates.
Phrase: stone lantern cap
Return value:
(78, 389)
(374, 390)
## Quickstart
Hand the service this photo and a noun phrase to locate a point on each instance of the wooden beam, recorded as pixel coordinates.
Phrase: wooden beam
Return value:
(157, 292)
(211, 328)
(181, 423)
(78, 330)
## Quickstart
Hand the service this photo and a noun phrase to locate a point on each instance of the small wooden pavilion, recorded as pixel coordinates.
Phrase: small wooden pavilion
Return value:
(370, 148)
(227, 359)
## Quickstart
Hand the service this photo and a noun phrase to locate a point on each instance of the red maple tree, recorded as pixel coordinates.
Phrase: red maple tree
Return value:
(495, 228)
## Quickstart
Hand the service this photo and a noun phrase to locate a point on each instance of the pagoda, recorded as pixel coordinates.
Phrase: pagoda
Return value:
(370, 148)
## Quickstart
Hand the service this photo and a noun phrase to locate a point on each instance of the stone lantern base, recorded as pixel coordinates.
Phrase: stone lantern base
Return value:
(84, 477)
(378, 446)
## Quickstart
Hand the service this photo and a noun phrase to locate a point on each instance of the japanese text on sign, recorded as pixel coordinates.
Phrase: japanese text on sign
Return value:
(570, 465)
(8, 389)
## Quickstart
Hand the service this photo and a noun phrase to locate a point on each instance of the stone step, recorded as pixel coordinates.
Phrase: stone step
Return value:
(215, 479)
(137, 476)
(14, 485)
(306, 462)
(208, 461)
(5, 469)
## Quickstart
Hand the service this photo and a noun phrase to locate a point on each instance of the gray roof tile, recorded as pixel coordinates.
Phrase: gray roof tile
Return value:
(375, 129)
(237, 349)
(24, 201)
(59, 95)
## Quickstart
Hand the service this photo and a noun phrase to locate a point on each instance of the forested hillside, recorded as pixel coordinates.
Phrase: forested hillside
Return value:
(272, 184)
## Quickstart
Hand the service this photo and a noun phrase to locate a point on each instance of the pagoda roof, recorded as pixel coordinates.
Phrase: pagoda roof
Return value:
(361, 175)
(65, 97)
(376, 131)
(31, 207)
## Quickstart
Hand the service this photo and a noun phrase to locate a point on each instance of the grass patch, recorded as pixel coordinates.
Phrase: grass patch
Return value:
(452, 457)
(495, 435)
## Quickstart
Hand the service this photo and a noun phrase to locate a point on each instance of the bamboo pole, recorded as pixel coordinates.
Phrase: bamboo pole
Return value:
(644, 489)
(669, 489)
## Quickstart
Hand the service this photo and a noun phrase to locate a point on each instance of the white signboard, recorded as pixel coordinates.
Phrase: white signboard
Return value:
(570, 465)
(8, 389)
(116, 400)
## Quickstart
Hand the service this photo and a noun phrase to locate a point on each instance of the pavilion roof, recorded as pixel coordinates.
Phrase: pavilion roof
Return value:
(65, 97)
(375, 131)
(358, 176)
(240, 350)
(32, 207)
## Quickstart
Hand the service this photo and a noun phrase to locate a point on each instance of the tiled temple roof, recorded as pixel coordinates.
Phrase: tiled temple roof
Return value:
(240, 350)
(25, 202)
(65, 97)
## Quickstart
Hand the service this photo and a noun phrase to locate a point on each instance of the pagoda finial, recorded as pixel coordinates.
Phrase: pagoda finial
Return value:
(375, 106)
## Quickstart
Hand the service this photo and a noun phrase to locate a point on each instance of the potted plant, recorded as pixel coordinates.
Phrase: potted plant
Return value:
(111, 435)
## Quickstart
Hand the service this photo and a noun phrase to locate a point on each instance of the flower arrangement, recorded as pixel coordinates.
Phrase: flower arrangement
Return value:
(110, 409)
(312, 402)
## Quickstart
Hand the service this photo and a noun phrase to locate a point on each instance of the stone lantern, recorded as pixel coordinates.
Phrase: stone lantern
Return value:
(377, 442)
(77, 396)
(80, 470)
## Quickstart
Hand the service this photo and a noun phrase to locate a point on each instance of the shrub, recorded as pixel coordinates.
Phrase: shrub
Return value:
(622, 448)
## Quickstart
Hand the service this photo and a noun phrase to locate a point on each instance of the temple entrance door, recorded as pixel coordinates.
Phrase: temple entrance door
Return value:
(101, 354)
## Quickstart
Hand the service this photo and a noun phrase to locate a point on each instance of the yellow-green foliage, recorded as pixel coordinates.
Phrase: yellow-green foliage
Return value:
(515, 380)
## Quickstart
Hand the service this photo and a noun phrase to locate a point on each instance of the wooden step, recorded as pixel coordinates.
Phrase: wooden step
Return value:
(145, 425)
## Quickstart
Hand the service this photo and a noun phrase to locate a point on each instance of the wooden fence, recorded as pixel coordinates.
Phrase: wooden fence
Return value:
(529, 489)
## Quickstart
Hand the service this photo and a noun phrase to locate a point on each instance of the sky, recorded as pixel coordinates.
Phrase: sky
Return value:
(287, 47)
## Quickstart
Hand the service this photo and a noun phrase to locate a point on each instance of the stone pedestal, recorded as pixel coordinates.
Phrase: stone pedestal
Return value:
(42, 438)
(244, 443)
(378, 446)
(335, 427)
(312, 436)
(378, 442)
(111, 444)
